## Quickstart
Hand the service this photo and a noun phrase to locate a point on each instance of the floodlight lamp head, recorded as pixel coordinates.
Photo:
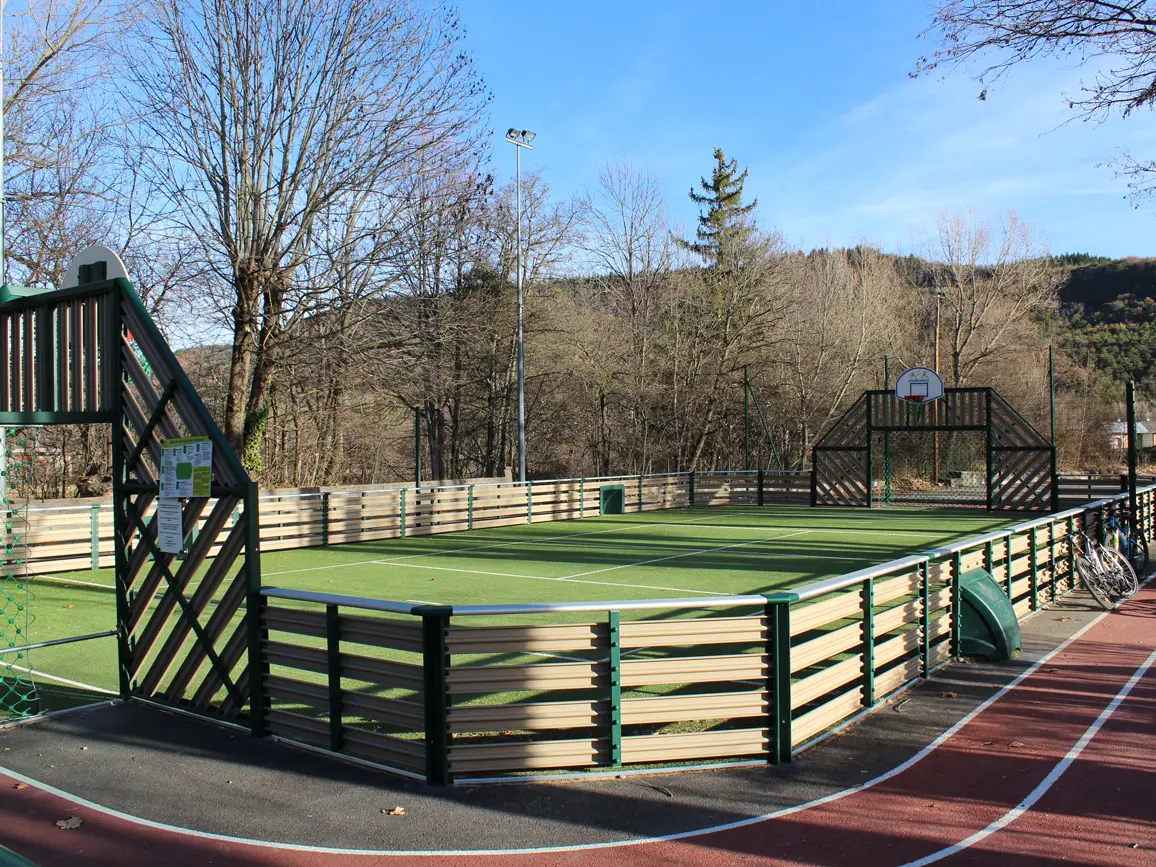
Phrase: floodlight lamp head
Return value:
(512, 133)
(528, 136)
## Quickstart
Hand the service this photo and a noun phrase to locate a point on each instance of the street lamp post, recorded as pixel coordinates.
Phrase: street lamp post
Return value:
(520, 139)
(935, 460)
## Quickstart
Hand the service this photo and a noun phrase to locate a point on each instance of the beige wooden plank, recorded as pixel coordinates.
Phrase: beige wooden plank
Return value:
(381, 671)
(526, 639)
(707, 706)
(528, 716)
(825, 716)
(833, 677)
(900, 615)
(825, 646)
(534, 677)
(1019, 544)
(1022, 608)
(381, 632)
(694, 669)
(683, 746)
(704, 630)
(939, 653)
(893, 678)
(939, 599)
(940, 573)
(972, 560)
(468, 758)
(1019, 588)
(907, 584)
(890, 650)
(807, 617)
(380, 708)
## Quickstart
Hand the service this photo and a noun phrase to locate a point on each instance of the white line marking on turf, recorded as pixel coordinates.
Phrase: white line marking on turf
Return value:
(55, 580)
(567, 580)
(1050, 780)
(614, 844)
(63, 680)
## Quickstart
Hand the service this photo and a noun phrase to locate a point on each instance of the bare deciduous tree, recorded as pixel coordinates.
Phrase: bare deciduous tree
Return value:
(262, 114)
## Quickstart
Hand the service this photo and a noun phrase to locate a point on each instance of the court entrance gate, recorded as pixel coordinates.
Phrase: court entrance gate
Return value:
(1020, 462)
(187, 628)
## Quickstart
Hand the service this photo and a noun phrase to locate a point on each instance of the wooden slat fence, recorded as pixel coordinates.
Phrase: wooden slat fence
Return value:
(74, 538)
(521, 689)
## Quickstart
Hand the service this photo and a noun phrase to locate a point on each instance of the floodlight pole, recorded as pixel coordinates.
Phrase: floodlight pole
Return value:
(935, 407)
(520, 139)
(1052, 389)
(746, 417)
(1131, 400)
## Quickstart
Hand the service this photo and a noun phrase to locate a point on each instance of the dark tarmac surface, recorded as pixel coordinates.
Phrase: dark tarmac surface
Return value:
(171, 769)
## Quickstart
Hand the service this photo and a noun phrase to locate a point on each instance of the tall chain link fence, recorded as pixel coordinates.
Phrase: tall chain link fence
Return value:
(19, 695)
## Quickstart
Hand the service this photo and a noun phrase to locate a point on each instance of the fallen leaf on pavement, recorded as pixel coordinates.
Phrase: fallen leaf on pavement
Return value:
(1017, 744)
(20, 786)
(70, 824)
(950, 695)
(394, 811)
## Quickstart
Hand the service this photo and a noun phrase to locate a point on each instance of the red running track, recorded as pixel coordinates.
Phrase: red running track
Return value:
(1094, 808)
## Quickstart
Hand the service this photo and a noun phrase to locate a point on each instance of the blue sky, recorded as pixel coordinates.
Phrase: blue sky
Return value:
(815, 99)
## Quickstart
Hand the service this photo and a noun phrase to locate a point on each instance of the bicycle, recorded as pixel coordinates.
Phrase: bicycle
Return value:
(1131, 544)
(1107, 574)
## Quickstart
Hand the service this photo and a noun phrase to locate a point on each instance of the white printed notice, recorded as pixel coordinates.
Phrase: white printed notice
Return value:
(186, 467)
(170, 527)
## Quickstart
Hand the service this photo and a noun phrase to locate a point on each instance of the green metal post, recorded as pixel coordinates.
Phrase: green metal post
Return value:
(470, 507)
(402, 533)
(333, 653)
(640, 492)
(112, 386)
(761, 496)
(956, 603)
(581, 498)
(94, 533)
(868, 643)
(778, 620)
(529, 502)
(1033, 545)
(1007, 569)
(888, 490)
(417, 445)
(1052, 389)
(1071, 552)
(435, 622)
(325, 519)
(692, 489)
(870, 456)
(615, 635)
(989, 558)
(925, 618)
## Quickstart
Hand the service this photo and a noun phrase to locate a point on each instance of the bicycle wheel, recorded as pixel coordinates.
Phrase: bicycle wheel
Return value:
(1120, 569)
(1096, 582)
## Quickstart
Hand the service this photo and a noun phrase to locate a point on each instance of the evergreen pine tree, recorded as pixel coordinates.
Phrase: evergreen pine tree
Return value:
(724, 230)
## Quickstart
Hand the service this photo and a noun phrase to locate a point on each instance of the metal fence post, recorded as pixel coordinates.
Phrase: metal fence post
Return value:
(761, 497)
(94, 534)
(1071, 552)
(470, 507)
(957, 601)
(777, 613)
(581, 498)
(1007, 567)
(615, 635)
(325, 519)
(435, 622)
(925, 618)
(640, 492)
(868, 642)
(403, 490)
(692, 489)
(333, 653)
(1033, 552)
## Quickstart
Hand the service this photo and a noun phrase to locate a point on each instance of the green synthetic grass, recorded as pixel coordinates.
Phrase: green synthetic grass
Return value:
(660, 554)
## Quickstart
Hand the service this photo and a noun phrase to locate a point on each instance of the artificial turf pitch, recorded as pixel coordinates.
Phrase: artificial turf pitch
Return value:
(649, 555)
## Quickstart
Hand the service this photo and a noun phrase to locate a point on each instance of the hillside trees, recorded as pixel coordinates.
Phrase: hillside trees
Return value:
(261, 116)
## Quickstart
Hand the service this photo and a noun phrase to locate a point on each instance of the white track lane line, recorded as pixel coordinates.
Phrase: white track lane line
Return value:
(580, 847)
(1050, 780)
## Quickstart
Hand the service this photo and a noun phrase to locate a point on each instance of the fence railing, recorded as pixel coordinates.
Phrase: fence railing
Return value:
(481, 692)
(73, 538)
